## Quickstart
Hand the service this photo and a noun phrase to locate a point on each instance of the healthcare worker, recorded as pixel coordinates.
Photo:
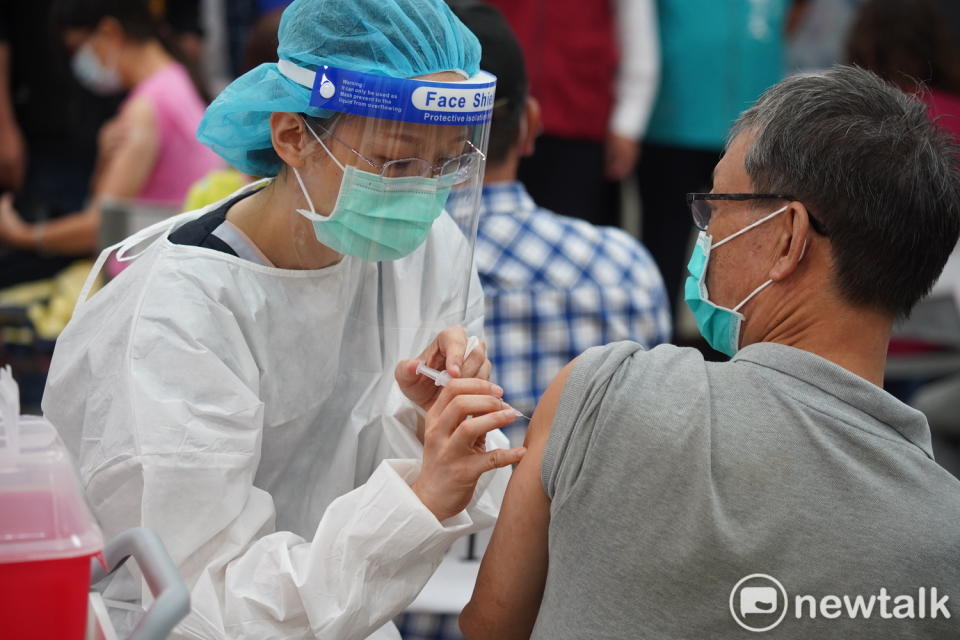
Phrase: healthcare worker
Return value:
(247, 387)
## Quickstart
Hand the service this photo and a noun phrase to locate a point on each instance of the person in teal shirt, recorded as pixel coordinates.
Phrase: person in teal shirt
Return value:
(718, 57)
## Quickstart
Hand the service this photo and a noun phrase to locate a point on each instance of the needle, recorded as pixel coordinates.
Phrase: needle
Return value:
(442, 378)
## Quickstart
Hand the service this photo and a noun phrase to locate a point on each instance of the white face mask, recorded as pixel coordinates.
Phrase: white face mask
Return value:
(93, 74)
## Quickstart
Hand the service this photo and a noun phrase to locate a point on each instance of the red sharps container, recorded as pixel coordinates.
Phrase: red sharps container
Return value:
(47, 537)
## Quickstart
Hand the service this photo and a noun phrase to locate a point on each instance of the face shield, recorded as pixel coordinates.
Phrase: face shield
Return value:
(401, 199)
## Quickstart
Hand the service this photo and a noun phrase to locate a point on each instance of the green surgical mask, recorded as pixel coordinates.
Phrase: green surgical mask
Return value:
(720, 326)
(377, 218)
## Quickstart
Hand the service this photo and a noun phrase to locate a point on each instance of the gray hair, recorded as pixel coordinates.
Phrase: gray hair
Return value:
(868, 162)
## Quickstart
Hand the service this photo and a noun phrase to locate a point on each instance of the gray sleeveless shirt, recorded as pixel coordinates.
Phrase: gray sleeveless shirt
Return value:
(672, 479)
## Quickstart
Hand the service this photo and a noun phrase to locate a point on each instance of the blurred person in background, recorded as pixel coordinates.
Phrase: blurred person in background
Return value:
(911, 44)
(184, 19)
(261, 48)
(243, 19)
(593, 67)
(818, 39)
(717, 58)
(48, 131)
(149, 151)
(554, 285)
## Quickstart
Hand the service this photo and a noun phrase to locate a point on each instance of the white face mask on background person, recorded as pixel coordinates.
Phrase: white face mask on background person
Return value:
(99, 78)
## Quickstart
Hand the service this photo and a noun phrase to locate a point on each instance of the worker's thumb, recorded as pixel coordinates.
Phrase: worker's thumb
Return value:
(499, 458)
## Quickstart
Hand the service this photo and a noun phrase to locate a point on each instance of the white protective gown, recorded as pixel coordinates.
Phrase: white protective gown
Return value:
(249, 416)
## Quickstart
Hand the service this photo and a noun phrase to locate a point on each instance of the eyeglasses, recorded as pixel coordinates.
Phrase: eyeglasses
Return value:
(701, 209)
(457, 170)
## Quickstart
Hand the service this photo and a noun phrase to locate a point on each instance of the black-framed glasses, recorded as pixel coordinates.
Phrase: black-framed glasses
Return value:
(702, 210)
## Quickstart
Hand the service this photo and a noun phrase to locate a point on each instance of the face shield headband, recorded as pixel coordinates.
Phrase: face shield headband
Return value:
(464, 103)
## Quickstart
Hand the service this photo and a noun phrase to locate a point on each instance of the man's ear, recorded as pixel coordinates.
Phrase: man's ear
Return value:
(791, 242)
(290, 138)
(530, 126)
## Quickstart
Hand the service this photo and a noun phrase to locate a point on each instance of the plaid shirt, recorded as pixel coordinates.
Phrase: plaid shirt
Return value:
(556, 286)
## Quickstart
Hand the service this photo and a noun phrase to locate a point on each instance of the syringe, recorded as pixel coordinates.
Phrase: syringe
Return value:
(442, 378)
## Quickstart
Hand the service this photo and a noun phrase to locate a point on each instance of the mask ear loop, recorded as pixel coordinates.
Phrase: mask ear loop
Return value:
(751, 226)
(325, 148)
(765, 284)
(303, 187)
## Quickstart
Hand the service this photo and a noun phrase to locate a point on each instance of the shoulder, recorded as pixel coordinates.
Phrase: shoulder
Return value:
(170, 82)
(170, 95)
(611, 389)
(625, 372)
(536, 247)
(150, 311)
(626, 361)
(138, 110)
(162, 284)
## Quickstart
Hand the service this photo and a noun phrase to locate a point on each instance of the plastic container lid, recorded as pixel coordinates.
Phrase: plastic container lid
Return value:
(43, 514)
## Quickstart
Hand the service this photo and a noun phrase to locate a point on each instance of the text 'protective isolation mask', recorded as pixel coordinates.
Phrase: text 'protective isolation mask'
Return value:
(719, 326)
(375, 217)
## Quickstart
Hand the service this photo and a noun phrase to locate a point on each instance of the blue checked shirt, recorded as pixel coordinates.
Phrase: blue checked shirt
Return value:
(554, 287)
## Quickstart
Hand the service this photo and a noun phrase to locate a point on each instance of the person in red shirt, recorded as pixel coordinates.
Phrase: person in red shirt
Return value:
(593, 67)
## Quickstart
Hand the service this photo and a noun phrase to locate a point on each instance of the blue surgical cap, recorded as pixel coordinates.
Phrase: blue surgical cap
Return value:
(396, 38)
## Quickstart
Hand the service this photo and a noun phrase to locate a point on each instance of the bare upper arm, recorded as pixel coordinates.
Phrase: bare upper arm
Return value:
(506, 598)
(128, 166)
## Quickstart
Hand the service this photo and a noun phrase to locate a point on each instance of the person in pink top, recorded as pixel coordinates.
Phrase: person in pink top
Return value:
(180, 158)
(149, 151)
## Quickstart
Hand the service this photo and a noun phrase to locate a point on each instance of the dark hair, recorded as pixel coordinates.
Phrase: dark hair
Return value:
(262, 41)
(504, 129)
(865, 158)
(503, 57)
(905, 42)
(141, 19)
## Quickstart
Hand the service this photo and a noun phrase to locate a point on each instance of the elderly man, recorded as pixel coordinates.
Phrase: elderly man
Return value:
(784, 488)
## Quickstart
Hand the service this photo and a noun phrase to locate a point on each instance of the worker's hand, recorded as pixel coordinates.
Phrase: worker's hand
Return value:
(13, 157)
(445, 352)
(454, 453)
(621, 156)
(14, 232)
